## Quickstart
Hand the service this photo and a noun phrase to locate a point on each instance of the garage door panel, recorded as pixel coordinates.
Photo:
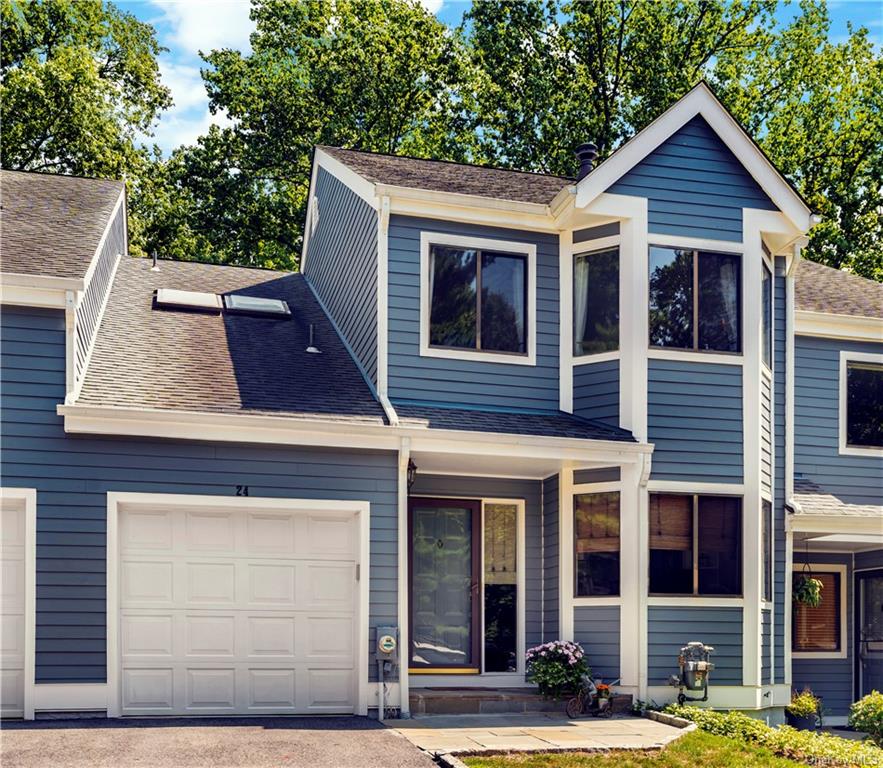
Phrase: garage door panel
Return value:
(146, 530)
(242, 612)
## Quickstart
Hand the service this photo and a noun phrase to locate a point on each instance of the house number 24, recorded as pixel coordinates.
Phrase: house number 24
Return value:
(242, 490)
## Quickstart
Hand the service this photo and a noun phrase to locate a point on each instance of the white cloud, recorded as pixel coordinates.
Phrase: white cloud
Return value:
(176, 128)
(432, 6)
(202, 25)
(185, 83)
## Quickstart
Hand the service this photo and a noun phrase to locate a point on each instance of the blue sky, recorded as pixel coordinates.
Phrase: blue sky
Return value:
(187, 26)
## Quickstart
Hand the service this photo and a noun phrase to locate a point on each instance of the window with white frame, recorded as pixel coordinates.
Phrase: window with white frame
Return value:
(695, 300)
(861, 402)
(820, 631)
(596, 302)
(477, 298)
(596, 544)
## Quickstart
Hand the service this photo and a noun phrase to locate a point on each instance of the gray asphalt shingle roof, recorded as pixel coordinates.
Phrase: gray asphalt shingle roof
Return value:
(814, 500)
(443, 176)
(189, 361)
(558, 424)
(51, 224)
(823, 289)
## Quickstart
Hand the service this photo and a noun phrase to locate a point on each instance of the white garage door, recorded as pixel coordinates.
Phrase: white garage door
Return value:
(227, 611)
(12, 607)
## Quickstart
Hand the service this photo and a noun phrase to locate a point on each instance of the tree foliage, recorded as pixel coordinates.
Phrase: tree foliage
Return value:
(79, 82)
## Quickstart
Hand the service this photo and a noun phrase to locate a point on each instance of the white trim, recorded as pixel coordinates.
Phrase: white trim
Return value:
(847, 357)
(428, 239)
(115, 500)
(71, 303)
(70, 697)
(41, 282)
(828, 524)
(691, 601)
(190, 425)
(843, 653)
(343, 173)
(598, 245)
(631, 578)
(521, 589)
(469, 209)
(699, 101)
(565, 552)
(308, 222)
(833, 326)
(695, 243)
(743, 697)
(595, 602)
(611, 486)
(383, 311)
(26, 498)
(24, 296)
(78, 380)
(789, 454)
(694, 356)
(701, 488)
(565, 320)
(96, 257)
(597, 357)
(403, 598)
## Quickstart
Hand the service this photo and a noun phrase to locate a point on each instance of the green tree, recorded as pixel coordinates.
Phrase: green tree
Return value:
(79, 83)
(368, 74)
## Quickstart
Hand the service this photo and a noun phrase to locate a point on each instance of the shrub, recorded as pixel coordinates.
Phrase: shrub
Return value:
(804, 746)
(557, 667)
(867, 715)
(804, 704)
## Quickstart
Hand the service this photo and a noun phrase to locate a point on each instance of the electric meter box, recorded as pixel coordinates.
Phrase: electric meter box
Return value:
(388, 643)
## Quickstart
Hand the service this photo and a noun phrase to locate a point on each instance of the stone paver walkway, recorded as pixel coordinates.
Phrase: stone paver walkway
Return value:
(464, 734)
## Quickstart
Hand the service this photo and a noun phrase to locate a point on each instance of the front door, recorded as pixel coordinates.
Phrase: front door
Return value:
(869, 631)
(445, 577)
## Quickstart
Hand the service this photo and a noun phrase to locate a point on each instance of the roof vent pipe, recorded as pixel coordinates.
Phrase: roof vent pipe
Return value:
(155, 267)
(312, 349)
(586, 154)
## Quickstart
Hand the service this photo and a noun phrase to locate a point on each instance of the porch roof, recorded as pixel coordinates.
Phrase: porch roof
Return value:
(814, 501)
(822, 520)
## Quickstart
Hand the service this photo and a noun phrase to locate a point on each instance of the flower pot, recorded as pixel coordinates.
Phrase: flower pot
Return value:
(802, 722)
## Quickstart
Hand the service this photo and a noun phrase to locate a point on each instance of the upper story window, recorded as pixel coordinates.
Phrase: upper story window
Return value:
(596, 302)
(695, 544)
(695, 299)
(477, 298)
(767, 298)
(861, 402)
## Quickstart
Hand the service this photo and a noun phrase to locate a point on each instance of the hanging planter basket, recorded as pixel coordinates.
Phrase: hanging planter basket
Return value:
(807, 589)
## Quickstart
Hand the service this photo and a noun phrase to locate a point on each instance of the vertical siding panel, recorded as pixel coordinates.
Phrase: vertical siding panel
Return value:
(694, 417)
(342, 266)
(72, 476)
(694, 185)
(464, 382)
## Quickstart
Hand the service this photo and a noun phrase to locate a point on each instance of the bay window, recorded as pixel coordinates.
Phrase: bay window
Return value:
(596, 302)
(596, 544)
(695, 300)
(695, 544)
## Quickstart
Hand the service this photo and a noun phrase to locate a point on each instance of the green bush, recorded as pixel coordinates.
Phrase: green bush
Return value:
(804, 746)
(803, 704)
(867, 715)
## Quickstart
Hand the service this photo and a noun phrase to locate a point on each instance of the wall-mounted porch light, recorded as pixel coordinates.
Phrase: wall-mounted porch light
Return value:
(412, 473)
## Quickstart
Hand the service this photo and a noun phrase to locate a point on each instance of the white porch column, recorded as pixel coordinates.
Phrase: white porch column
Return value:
(633, 609)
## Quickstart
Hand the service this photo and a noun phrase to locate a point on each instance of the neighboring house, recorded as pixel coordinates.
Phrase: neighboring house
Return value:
(496, 409)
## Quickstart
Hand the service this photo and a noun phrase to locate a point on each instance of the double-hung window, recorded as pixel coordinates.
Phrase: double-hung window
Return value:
(477, 300)
(695, 300)
(596, 544)
(820, 629)
(861, 402)
(695, 545)
(596, 302)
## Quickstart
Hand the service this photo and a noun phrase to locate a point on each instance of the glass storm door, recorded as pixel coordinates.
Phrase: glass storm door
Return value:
(445, 585)
(869, 620)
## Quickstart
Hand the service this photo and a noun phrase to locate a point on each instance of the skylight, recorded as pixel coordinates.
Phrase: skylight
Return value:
(237, 303)
(195, 301)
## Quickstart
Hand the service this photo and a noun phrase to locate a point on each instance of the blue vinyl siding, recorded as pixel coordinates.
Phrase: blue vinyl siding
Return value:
(550, 559)
(669, 629)
(694, 417)
(854, 479)
(98, 288)
(601, 475)
(596, 628)
(72, 475)
(596, 391)
(503, 488)
(466, 382)
(766, 434)
(872, 559)
(780, 594)
(766, 647)
(830, 679)
(342, 266)
(694, 185)
(594, 233)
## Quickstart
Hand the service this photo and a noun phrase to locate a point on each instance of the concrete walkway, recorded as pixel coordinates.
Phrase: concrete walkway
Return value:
(464, 734)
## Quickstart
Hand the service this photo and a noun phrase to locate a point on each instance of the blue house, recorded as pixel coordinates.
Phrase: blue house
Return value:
(494, 409)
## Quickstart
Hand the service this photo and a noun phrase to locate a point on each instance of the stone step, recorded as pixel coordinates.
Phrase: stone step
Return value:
(491, 701)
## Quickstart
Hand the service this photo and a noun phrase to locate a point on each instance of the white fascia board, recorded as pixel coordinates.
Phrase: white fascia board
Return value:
(41, 282)
(358, 184)
(699, 101)
(832, 326)
(190, 425)
(826, 524)
(23, 296)
(96, 257)
(308, 219)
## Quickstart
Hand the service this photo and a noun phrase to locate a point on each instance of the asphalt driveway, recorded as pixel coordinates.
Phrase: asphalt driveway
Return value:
(273, 742)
